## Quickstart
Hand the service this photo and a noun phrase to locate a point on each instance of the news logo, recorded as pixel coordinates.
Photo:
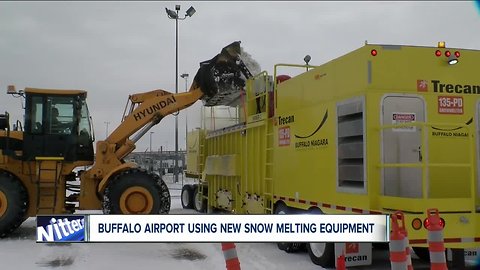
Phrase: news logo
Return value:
(61, 228)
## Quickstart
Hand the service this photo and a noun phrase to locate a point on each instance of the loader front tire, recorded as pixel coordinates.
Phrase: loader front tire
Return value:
(136, 191)
(13, 203)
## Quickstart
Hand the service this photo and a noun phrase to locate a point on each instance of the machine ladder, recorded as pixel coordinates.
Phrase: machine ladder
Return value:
(201, 167)
(268, 170)
(47, 175)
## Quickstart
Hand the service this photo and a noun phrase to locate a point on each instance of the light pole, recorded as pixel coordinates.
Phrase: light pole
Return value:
(151, 132)
(106, 129)
(151, 154)
(185, 76)
(174, 15)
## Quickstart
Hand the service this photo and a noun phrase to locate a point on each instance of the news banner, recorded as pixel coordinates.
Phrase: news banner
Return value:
(213, 228)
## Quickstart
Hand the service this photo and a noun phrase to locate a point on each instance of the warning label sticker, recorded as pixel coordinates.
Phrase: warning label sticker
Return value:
(284, 136)
(403, 118)
(450, 105)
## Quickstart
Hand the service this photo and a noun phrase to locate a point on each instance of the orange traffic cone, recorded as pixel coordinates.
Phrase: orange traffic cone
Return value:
(436, 245)
(403, 229)
(341, 262)
(230, 254)
(398, 257)
(408, 251)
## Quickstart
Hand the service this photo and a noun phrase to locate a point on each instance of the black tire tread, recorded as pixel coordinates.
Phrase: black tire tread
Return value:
(203, 209)
(189, 189)
(328, 258)
(126, 176)
(14, 217)
(288, 247)
(422, 253)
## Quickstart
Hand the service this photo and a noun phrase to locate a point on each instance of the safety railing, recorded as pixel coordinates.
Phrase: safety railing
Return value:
(277, 66)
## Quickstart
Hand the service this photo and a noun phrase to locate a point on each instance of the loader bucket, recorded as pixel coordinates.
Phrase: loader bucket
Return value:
(222, 78)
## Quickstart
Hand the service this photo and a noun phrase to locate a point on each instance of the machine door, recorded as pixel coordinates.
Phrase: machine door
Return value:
(402, 146)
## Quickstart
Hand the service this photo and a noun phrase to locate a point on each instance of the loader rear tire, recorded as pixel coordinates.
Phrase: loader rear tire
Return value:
(187, 197)
(136, 191)
(13, 203)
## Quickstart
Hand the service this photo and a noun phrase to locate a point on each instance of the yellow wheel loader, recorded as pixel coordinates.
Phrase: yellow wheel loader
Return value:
(41, 160)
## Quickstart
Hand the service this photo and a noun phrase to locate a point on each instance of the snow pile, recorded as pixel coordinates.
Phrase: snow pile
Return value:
(252, 65)
(231, 81)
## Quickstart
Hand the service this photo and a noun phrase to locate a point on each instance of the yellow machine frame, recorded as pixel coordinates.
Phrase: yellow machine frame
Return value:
(380, 129)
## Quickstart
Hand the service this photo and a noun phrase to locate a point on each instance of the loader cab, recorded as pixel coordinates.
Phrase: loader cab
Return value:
(57, 124)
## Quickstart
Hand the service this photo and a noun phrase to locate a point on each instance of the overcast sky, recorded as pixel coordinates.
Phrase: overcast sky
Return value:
(113, 49)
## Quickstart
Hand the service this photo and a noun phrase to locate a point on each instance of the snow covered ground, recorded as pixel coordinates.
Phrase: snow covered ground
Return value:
(20, 251)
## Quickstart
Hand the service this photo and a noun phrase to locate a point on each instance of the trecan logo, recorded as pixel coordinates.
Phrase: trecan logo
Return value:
(422, 86)
(351, 248)
(61, 228)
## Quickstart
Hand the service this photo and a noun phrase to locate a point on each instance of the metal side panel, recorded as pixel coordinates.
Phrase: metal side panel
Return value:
(351, 172)
(350, 128)
(350, 150)
(224, 165)
(349, 108)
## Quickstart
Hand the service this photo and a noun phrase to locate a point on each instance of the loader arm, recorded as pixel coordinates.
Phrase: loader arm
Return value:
(223, 73)
(147, 110)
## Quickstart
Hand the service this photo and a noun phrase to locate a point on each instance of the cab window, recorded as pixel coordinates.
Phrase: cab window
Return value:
(36, 118)
(60, 112)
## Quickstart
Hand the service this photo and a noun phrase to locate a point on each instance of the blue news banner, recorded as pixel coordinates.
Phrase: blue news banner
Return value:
(65, 228)
(213, 228)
